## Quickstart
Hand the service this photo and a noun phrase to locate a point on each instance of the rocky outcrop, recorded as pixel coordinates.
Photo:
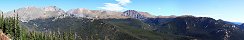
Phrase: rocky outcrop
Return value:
(133, 14)
(3, 36)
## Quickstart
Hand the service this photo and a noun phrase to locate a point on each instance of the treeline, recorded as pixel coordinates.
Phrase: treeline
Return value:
(10, 26)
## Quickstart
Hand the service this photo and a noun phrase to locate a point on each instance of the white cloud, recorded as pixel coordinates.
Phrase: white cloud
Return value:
(112, 7)
(123, 2)
(115, 6)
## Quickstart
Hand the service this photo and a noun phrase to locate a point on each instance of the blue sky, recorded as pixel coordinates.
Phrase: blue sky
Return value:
(229, 10)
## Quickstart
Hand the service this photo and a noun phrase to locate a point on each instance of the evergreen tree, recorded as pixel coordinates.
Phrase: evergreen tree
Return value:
(11, 27)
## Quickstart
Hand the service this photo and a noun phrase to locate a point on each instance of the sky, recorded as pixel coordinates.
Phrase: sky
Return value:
(228, 10)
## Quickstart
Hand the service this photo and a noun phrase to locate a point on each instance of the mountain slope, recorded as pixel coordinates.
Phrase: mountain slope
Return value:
(115, 29)
(182, 27)
(242, 25)
(203, 28)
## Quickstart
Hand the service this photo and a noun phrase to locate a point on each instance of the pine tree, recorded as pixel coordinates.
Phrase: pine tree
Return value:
(11, 27)
(1, 21)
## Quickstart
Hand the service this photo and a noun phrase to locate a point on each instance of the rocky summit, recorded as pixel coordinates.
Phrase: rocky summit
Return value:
(133, 14)
(31, 12)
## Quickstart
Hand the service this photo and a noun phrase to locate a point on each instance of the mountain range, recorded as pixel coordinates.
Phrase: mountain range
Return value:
(30, 13)
(127, 25)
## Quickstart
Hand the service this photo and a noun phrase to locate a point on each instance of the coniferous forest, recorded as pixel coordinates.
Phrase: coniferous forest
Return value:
(10, 27)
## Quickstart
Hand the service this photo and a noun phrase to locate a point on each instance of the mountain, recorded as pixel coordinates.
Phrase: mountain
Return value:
(30, 13)
(133, 14)
(94, 14)
(137, 15)
(203, 28)
(242, 25)
(103, 14)
(113, 29)
(128, 25)
(238, 23)
(179, 28)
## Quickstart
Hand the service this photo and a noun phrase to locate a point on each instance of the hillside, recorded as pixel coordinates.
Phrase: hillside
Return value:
(182, 27)
(204, 28)
(115, 29)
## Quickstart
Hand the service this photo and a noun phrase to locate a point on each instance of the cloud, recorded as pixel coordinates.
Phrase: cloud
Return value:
(112, 7)
(115, 6)
(123, 2)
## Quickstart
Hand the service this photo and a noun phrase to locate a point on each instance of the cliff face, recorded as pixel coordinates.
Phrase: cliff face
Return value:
(3, 36)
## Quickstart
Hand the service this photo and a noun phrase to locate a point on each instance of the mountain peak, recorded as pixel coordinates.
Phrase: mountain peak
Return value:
(82, 9)
(30, 7)
(132, 10)
(133, 14)
(51, 8)
(32, 12)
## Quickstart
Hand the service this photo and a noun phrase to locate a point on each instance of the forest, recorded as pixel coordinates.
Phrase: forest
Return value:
(10, 27)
